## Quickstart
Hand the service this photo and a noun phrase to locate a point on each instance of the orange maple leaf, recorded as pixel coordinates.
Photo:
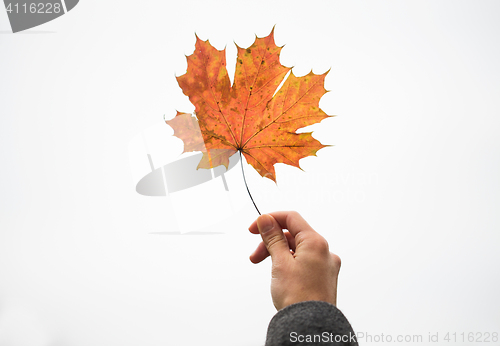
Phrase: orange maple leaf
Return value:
(246, 117)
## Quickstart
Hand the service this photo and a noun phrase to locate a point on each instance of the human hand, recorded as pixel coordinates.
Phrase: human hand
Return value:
(303, 268)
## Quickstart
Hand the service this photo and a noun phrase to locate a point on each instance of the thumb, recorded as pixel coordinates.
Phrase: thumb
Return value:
(273, 236)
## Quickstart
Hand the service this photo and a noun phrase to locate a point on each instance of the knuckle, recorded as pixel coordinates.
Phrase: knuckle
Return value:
(293, 214)
(320, 245)
(337, 262)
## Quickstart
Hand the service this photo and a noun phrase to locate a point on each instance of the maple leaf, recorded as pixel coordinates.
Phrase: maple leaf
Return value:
(249, 116)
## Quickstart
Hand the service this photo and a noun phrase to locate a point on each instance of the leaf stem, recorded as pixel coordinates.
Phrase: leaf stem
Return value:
(242, 171)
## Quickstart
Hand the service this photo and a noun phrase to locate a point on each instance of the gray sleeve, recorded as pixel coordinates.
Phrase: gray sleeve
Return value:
(310, 323)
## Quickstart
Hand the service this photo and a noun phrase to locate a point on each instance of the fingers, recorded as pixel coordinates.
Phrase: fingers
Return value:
(261, 252)
(300, 234)
(273, 238)
(294, 223)
(290, 220)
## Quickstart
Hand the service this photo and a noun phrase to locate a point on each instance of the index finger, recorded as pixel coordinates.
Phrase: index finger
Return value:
(290, 220)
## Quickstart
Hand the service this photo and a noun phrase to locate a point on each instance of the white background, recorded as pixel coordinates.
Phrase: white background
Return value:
(408, 196)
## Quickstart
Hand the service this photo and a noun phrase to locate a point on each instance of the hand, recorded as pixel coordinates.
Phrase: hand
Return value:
(303, 267)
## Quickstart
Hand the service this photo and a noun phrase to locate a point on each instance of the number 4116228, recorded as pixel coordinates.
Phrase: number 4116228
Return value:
(471, 337)
(35, 8)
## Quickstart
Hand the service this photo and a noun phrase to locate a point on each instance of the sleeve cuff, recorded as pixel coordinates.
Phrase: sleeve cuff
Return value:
(310, 323)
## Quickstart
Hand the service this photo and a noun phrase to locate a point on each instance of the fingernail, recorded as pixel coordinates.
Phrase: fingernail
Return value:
(265, 223)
